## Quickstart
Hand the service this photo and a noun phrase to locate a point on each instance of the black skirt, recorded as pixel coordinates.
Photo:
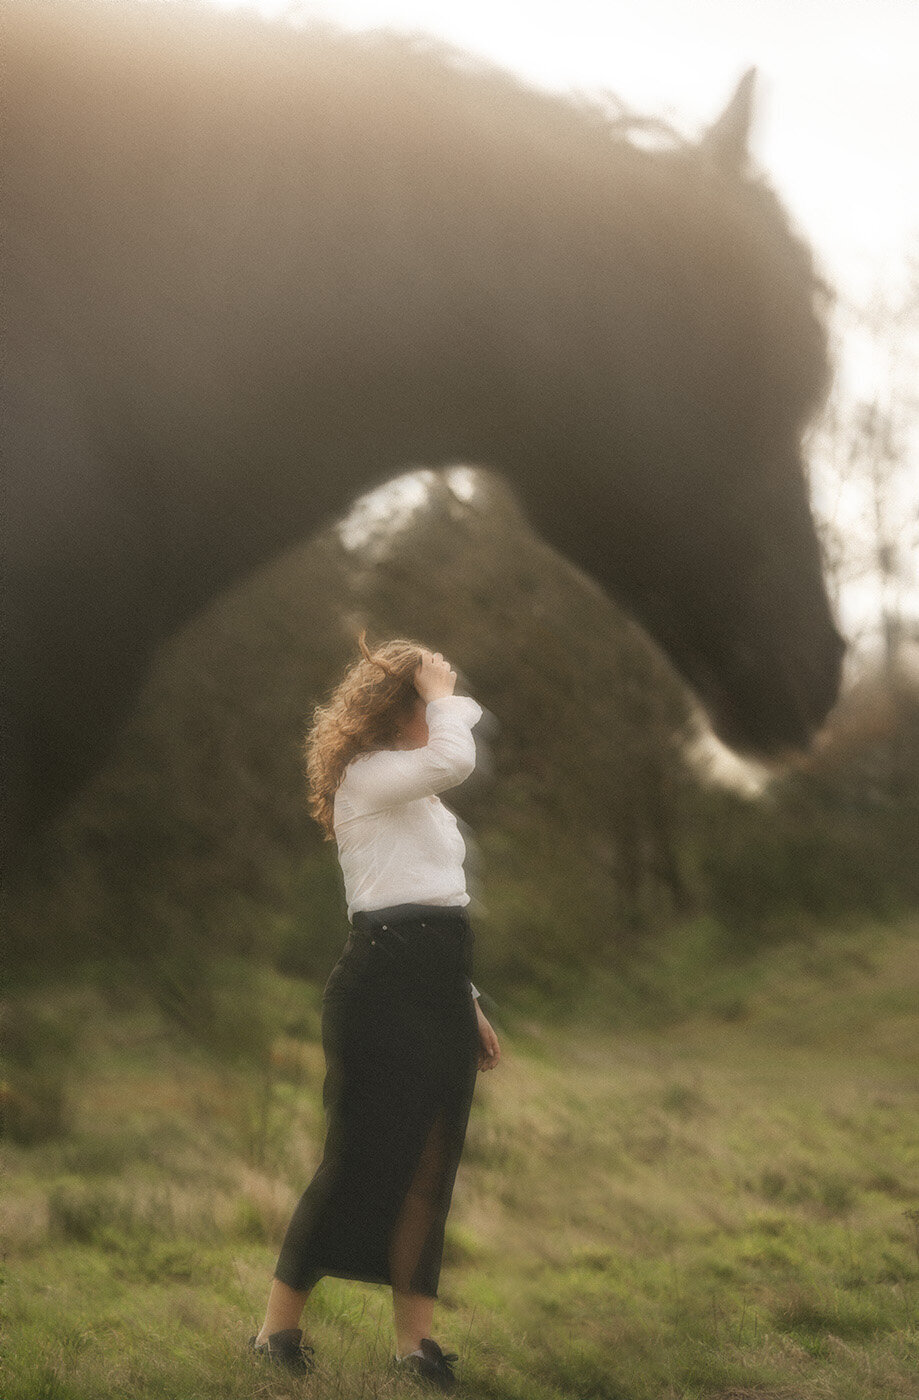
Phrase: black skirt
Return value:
(401, 1043)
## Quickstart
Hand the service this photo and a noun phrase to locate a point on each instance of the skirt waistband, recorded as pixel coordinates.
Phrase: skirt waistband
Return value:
(427, 944)
(394, 915)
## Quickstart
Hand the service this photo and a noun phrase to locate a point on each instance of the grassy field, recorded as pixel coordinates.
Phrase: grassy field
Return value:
(723, 1202)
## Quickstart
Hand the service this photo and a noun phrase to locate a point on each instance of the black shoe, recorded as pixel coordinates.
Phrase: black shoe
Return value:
(288, 1349)
(433, 1365)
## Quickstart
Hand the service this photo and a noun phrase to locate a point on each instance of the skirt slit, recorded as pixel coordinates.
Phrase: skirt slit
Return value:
(417, 1235)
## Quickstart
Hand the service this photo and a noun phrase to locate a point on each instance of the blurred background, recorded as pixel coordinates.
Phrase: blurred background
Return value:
(694, 1172)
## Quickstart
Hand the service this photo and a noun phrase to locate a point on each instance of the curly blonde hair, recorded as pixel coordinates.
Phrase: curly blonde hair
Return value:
(365, 711)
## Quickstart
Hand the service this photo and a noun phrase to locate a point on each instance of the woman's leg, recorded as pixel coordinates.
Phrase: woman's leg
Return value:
(414, 1316)
(284, 1308)
(414, 1312)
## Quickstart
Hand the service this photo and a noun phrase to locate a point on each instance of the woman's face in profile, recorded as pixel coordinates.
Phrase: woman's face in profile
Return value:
(414, 731)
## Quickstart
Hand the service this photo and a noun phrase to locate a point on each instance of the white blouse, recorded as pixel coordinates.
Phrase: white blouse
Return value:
(397, 842)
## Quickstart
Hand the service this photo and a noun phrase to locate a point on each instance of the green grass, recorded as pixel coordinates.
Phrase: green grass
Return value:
(713, 1206)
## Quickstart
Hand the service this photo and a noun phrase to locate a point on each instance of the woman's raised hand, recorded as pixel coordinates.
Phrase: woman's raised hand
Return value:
(433, 677)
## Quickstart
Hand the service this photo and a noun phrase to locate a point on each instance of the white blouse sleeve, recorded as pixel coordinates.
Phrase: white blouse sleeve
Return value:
(381, 779)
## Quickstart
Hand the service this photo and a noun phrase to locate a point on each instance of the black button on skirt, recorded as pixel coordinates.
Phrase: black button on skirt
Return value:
(401, 1043)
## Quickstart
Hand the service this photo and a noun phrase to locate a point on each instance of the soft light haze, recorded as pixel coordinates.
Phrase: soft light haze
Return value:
(837, 124)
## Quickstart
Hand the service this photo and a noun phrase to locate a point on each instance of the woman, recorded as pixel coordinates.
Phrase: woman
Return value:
(402, 1029)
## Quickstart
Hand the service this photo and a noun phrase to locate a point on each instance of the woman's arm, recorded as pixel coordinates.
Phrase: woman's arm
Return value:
(381, 779)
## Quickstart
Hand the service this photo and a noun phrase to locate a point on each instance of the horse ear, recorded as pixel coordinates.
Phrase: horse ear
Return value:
(726, 139)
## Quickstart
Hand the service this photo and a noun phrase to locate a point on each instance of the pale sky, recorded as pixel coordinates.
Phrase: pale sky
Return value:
(835, 127)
